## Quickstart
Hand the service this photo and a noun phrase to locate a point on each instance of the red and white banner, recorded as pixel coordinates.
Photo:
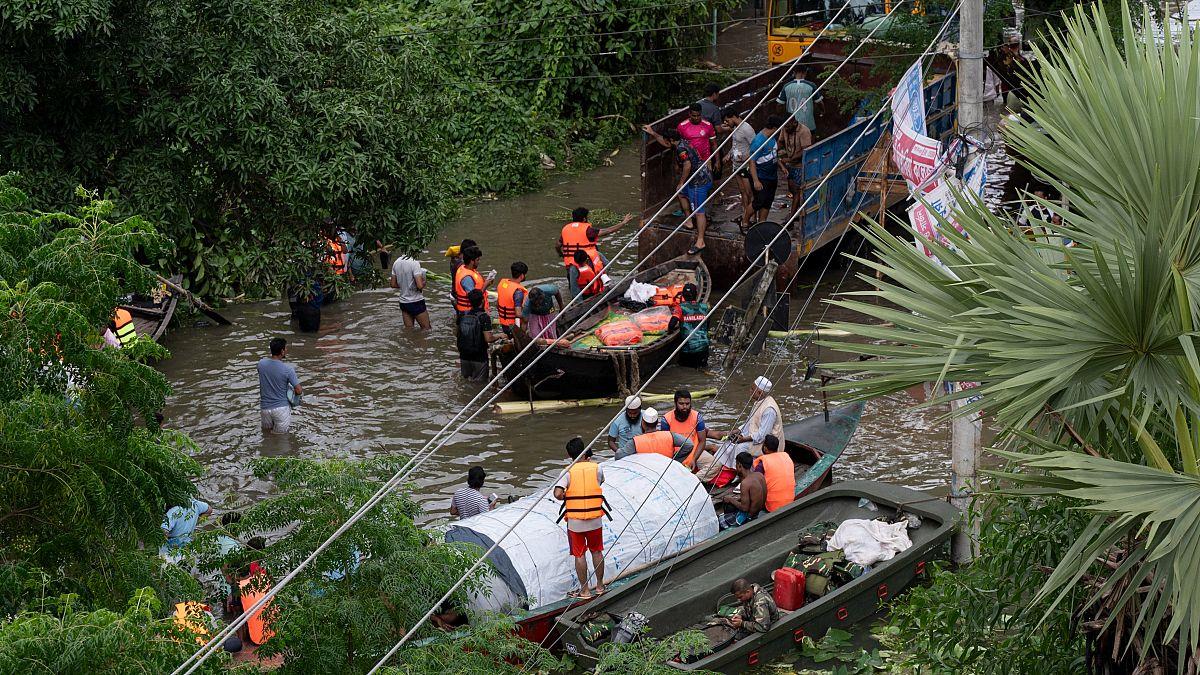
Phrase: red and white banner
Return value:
(916, 156)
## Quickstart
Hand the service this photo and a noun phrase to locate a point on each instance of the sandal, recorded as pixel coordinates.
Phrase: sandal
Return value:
(579, 594)
(599, 591)
(696, 251)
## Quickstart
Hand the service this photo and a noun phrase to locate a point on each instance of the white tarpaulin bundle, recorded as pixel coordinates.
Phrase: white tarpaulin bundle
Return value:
(533, 564)
(867, 542)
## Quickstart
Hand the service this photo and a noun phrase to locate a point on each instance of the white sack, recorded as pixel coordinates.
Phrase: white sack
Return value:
(640, 292)
(867, 542)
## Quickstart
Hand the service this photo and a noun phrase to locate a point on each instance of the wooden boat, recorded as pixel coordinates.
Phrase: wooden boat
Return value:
(834, 189)
(572, 372)
(152, 313)
(815, 445)
(690, 587)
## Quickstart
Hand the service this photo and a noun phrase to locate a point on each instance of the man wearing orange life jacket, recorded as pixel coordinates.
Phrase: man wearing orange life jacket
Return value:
(665, 443)
(584, 507)
(467, 278)
(339, 255)
(510, 298)
(584, 277)
(687, 422)
(580, 235)
(780, 473)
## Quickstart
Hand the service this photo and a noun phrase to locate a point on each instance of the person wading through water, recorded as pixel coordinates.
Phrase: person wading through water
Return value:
(585, 508)
(581, 235)
(473, 336)
(510, 298)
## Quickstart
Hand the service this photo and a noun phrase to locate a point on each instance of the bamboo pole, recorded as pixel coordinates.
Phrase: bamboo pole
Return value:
(514, 407)
(204, 307)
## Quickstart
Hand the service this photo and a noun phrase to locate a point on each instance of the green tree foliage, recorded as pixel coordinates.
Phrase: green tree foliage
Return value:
(132, 642)
(85, 472)
(357, 599)
(252, 130)
(485, 649)
(974, 620)
(1100, 333)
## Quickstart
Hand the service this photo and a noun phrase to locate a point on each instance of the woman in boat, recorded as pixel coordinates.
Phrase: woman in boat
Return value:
(538, 310)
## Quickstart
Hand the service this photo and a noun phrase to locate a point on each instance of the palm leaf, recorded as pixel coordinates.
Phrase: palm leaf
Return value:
(1158, 510)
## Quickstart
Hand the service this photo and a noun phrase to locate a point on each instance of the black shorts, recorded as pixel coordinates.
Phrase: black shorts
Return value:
(764, 197)
(414, 309)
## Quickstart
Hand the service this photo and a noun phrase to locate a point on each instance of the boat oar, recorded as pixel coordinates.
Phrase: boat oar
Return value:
(203, 306)
(511, 407)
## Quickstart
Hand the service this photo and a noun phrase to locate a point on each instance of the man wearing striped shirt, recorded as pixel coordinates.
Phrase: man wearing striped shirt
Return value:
(469, 501)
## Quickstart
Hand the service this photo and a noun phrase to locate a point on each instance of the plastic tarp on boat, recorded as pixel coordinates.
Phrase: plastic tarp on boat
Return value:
(533, 564)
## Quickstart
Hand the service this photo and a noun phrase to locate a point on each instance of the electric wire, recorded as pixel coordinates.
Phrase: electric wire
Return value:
(414, 462)
(741, 279)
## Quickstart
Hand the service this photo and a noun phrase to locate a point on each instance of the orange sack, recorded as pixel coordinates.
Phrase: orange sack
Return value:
(619, 333)
(653, 320)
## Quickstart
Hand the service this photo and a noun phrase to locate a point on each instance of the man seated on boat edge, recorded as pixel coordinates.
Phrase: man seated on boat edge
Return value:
(666, 443)
(757, 612)
(719, 468)
(779, 472)
(750, 500)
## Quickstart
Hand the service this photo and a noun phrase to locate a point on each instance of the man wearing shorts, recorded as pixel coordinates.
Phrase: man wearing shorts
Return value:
(764, 169)
(409, 278)
(740, 138)
(585, 509)
(793, 140)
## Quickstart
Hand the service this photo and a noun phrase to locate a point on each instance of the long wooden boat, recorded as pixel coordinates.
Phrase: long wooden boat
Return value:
(569, 371)
(152, 313)
(815, 444)
(835, 191)
(690, 587)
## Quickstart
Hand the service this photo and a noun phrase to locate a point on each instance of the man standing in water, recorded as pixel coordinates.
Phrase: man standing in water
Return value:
(275, 380)
(584, 508)
(408, 277)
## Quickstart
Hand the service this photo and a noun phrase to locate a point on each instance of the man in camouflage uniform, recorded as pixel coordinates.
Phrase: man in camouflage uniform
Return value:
(758, 611)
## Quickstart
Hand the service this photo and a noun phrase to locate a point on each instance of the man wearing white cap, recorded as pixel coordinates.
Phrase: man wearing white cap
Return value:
(764, 419)
(625, 427)
(666, 443)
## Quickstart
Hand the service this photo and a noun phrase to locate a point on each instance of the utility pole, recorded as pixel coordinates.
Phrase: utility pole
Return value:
(965, 431)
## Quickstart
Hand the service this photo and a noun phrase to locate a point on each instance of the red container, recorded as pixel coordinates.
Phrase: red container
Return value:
(789, 589)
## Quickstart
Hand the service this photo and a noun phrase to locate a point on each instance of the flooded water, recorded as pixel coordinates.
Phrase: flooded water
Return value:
(372, 387)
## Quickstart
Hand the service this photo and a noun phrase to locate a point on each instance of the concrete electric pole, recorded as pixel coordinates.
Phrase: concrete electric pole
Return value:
(965, 431)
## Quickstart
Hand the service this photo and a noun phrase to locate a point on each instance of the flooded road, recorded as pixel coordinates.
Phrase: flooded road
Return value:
(374, 388)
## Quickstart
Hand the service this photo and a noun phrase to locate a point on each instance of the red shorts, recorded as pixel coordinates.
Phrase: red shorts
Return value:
(724, 477)
(592, 540)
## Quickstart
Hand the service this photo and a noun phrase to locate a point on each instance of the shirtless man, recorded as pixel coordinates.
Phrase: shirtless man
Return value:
(750, 499)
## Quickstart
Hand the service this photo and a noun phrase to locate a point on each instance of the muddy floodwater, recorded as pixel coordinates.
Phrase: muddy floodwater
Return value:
(373, 388)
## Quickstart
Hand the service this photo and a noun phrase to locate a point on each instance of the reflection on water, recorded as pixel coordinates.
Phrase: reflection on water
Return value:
(373, 387)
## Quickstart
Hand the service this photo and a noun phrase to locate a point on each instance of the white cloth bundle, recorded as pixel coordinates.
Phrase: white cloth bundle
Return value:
(867, 542)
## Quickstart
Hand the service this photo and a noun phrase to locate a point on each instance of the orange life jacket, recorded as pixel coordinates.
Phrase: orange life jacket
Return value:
(506, 304)
(658, 442)
(574, 238)
(780, 474)
(461, 303)
(337, 257)
(672, 295)
(256, 625)
(584, 498)
(589, 282)
(123, 326)
(687, 429)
